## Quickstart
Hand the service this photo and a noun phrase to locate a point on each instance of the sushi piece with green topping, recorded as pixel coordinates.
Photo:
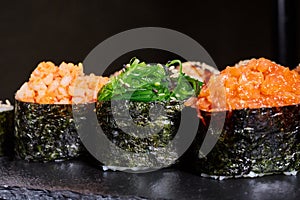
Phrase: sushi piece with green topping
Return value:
(6, 128)
(139, 111)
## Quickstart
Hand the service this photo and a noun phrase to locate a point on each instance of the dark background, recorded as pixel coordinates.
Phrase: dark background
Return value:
(33, 31)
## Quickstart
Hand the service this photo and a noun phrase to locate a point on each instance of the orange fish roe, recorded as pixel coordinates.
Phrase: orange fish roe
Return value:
(64, 84)
(254, 84)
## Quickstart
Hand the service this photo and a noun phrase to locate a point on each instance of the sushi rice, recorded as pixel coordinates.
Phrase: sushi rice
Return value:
(6, 106)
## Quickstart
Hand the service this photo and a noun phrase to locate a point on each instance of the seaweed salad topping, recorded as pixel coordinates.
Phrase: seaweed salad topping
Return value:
(143, 82)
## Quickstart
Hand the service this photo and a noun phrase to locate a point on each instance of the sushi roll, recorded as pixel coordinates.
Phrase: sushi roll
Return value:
(261, 131)
(143, 90)
(6, 128)
(44, 124)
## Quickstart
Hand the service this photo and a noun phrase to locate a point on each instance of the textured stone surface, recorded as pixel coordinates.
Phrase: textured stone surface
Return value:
(24, 193)
(79, 180)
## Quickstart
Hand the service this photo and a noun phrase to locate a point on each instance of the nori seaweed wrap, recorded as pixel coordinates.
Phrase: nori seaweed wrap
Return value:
(125, 107)
(253, 142)
(260, 134)
(45, 132)
(6, 128)
(126, 136)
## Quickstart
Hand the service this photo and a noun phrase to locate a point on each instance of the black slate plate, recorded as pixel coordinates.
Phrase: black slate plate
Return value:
(80, 180)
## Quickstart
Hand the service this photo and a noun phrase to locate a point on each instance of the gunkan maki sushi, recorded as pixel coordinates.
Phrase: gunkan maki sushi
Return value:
(139, 111)
(261, 131)
(6, 128)
(44, 124)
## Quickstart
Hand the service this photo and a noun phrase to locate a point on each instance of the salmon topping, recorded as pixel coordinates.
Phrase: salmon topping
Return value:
(255, 83)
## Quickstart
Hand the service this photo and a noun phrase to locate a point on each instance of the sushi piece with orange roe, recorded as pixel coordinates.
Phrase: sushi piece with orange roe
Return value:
(44, 123)
(259, 104)
(255, 83)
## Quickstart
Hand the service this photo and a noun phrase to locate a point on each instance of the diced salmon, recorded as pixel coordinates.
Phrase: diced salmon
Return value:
(254, 84)
(63, 84)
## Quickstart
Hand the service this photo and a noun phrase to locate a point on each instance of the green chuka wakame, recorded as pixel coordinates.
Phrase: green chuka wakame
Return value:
(150, 82)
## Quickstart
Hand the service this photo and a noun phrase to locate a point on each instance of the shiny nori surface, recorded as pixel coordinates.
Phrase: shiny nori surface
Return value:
(45, 132)
(139, 115)
(133, 148)
(6, 132)
(263, 141)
